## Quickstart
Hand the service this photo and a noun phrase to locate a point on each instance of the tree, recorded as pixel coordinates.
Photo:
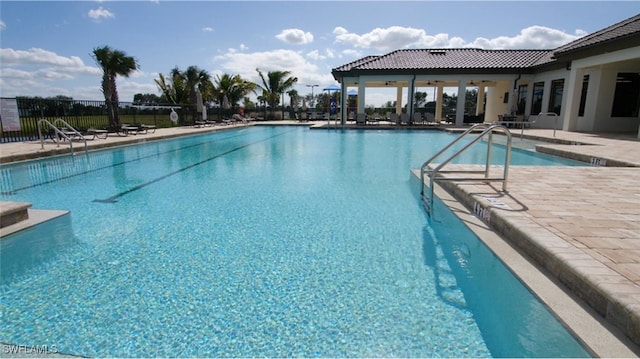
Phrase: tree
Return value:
(419, 99)
(274, 85)
(234, 87)
(180, 87)
(293, 98)
(113, 63)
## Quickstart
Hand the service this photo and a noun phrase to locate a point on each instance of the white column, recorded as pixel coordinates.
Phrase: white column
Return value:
(462, 89)
(573, 91)
(343, 103)
(480, 100)
(361, 100)
(399, 99)
(438, 113)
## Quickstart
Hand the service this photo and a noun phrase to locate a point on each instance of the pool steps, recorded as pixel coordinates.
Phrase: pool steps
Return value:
(17, 216)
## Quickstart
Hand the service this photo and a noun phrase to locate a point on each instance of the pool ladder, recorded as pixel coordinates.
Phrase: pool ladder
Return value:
(64, 130)
(434, 171)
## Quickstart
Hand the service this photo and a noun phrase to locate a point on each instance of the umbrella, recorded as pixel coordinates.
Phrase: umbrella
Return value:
(225, 103)
(352, 92)
(331, 88)
(199, 104)
(304, 104)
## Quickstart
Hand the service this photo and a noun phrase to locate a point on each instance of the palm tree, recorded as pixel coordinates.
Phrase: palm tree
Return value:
(113, 63)
(233, 87)
(276, 83)
(181, 87)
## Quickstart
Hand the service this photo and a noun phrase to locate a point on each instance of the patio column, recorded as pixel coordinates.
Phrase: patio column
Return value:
(573, 89)
(462, 89)
(480, 100)
(343, 103)
(410, 96)
(361, 87)
(399, 99)
(438, 113)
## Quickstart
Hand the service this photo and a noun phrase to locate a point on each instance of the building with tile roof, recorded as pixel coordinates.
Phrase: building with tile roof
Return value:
(591, 84)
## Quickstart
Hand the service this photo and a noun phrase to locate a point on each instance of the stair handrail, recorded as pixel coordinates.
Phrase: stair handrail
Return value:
(488, 129)
(61, 133)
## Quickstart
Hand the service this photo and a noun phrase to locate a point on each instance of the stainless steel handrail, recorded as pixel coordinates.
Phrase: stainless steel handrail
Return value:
(486, 129)
(61, 133)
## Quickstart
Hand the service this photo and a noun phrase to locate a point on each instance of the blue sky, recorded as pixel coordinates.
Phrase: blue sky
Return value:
(46, 46)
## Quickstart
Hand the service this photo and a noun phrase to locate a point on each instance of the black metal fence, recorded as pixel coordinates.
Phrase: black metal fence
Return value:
(83, 115)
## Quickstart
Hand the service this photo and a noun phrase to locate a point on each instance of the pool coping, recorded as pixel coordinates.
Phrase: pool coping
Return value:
(565, 147)
(611, 296)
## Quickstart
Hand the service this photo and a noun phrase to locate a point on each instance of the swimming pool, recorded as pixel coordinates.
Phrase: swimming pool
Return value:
(265, 241)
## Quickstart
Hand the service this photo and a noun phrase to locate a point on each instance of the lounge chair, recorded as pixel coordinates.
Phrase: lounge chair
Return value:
(147, 128)
(103, 134)
(429, 118)
(394, 118)
(405, 119)
(417, 118)
(361, 119)
(125, 129)
(375, 119)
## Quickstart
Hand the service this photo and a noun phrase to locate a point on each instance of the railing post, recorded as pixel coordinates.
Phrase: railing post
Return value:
(488, 163)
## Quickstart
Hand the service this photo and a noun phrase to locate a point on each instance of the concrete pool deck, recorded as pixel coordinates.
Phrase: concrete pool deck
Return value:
(580, 224)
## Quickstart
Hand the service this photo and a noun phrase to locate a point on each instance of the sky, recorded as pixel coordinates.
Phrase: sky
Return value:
(46, 46)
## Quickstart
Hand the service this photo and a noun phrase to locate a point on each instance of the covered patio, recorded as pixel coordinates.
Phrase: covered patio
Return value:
(591, 84)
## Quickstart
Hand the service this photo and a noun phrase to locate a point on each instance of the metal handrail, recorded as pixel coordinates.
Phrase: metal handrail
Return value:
(555, 119)
(61, 133)
(488, 129)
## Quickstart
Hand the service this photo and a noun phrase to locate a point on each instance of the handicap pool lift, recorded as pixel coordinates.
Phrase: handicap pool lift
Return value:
(435, 172)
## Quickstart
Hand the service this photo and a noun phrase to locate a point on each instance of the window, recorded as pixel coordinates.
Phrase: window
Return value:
(555, 100)
(536, 101)
(522, 99)
(626, 100)
(583, 96)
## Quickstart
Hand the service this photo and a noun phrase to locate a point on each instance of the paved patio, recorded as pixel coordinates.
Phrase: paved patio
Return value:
(582, 224)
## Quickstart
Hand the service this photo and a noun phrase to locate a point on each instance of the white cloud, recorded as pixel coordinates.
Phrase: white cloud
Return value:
(100, 13)
(533, 37)
(37, 56)
(398, 37)
(207, 29)
(39, 72)
(245, 64)
(391, 38)
(2, 25)
(295, 36)
(315, 55)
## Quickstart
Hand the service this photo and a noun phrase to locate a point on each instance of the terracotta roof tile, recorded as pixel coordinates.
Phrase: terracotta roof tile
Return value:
(448, 59)
(620, 30)
(470, 58)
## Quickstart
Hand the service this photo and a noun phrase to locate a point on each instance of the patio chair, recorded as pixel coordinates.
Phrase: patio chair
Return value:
(102, 134)
(417, 118)
(394, 118)
(125, 129)
(361, 119)
(375, 119)
(405, 119)
(147, 128)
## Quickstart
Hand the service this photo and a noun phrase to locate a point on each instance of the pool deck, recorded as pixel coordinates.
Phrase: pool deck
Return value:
(580, 224)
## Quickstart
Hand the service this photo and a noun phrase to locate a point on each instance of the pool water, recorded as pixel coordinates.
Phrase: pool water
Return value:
(265, 241)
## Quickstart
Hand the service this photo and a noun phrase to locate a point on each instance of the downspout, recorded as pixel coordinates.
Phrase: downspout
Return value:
(412, 91)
